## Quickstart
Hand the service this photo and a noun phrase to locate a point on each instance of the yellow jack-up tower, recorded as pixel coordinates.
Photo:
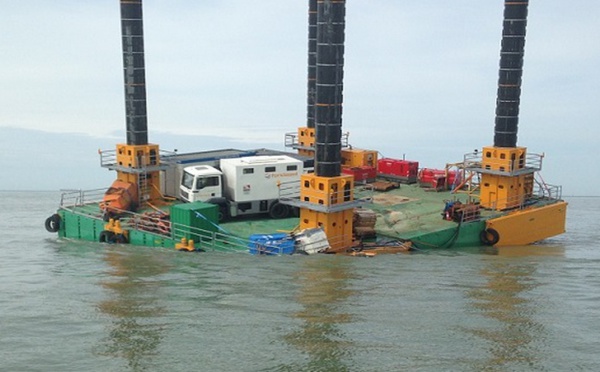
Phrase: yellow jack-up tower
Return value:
(137, 162)
(304, 139)
(326, 196)
(507, 171)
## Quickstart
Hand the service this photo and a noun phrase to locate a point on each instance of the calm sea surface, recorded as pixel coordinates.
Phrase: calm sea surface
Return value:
(73, 306)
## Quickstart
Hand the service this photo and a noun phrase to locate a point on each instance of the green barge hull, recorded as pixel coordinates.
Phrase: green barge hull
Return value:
(78, 224)
(408, 213)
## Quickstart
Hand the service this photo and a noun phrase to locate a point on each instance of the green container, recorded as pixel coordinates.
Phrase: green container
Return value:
(194, 220)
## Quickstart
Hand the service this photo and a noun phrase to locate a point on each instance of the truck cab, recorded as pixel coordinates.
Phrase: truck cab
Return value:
(201, 183)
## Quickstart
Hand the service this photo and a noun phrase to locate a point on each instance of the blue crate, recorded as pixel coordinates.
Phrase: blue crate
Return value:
(271, 244)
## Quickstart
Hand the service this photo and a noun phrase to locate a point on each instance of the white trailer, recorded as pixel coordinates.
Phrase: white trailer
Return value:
(242, 186)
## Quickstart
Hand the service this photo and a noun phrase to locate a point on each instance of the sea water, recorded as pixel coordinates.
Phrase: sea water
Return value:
(80, 306)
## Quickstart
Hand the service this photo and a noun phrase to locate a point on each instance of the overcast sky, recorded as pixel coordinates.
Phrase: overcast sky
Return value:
(420, 78)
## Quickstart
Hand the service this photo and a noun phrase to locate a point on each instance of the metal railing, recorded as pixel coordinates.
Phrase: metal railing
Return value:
(158, 224)
(223, 241)
(289, 190)
(541, 192)
(76, 198)
(289, 193)
(108, 158)
(291, 140)
(512, 202)
(531, 163)
(470, 213)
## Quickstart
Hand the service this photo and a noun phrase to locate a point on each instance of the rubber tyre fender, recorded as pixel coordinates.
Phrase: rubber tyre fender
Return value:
(52, 223)
(489, 236)
(120, 239)
(278, 210)
(107, 237)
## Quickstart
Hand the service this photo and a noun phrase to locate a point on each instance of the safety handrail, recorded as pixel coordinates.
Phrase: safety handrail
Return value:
(291, 140)
(541, 192)
(108, 158)
(291, 191)
(474, 160)
(75, 198)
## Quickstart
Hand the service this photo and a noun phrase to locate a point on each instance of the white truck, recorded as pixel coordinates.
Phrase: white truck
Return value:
(170, 178)
(242, 186)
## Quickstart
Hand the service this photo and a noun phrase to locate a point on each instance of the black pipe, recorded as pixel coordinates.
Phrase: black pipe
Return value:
(312, 62)
(133, 67)
(511, 70)
(329, 85)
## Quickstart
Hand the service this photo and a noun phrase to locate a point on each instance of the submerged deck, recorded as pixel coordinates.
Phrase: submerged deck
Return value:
(409, 213)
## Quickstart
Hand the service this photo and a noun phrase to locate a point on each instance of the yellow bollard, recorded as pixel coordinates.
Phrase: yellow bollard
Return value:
(185, 245)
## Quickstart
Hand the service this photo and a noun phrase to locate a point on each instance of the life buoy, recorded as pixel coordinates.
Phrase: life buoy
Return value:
(489, 236)
(53, 223)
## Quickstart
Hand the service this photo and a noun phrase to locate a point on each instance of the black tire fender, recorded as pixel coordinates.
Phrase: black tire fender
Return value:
(279, 210)
(489, 236)
(120, 239)
(107, 237)
(52, 223)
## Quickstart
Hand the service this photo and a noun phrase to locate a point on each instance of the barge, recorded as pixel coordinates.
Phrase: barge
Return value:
(332, 197)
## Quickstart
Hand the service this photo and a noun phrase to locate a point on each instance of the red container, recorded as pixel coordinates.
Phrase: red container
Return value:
(405, 170)
(431, 177)
(364, 173)
(452, 177)
(436, 178)
(412, 168)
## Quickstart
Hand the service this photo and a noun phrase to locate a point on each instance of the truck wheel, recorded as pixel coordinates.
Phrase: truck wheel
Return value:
(279, 210)
(222, 214)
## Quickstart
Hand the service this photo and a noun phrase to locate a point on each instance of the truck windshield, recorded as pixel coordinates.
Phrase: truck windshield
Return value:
(187, 180)
(207, 181)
